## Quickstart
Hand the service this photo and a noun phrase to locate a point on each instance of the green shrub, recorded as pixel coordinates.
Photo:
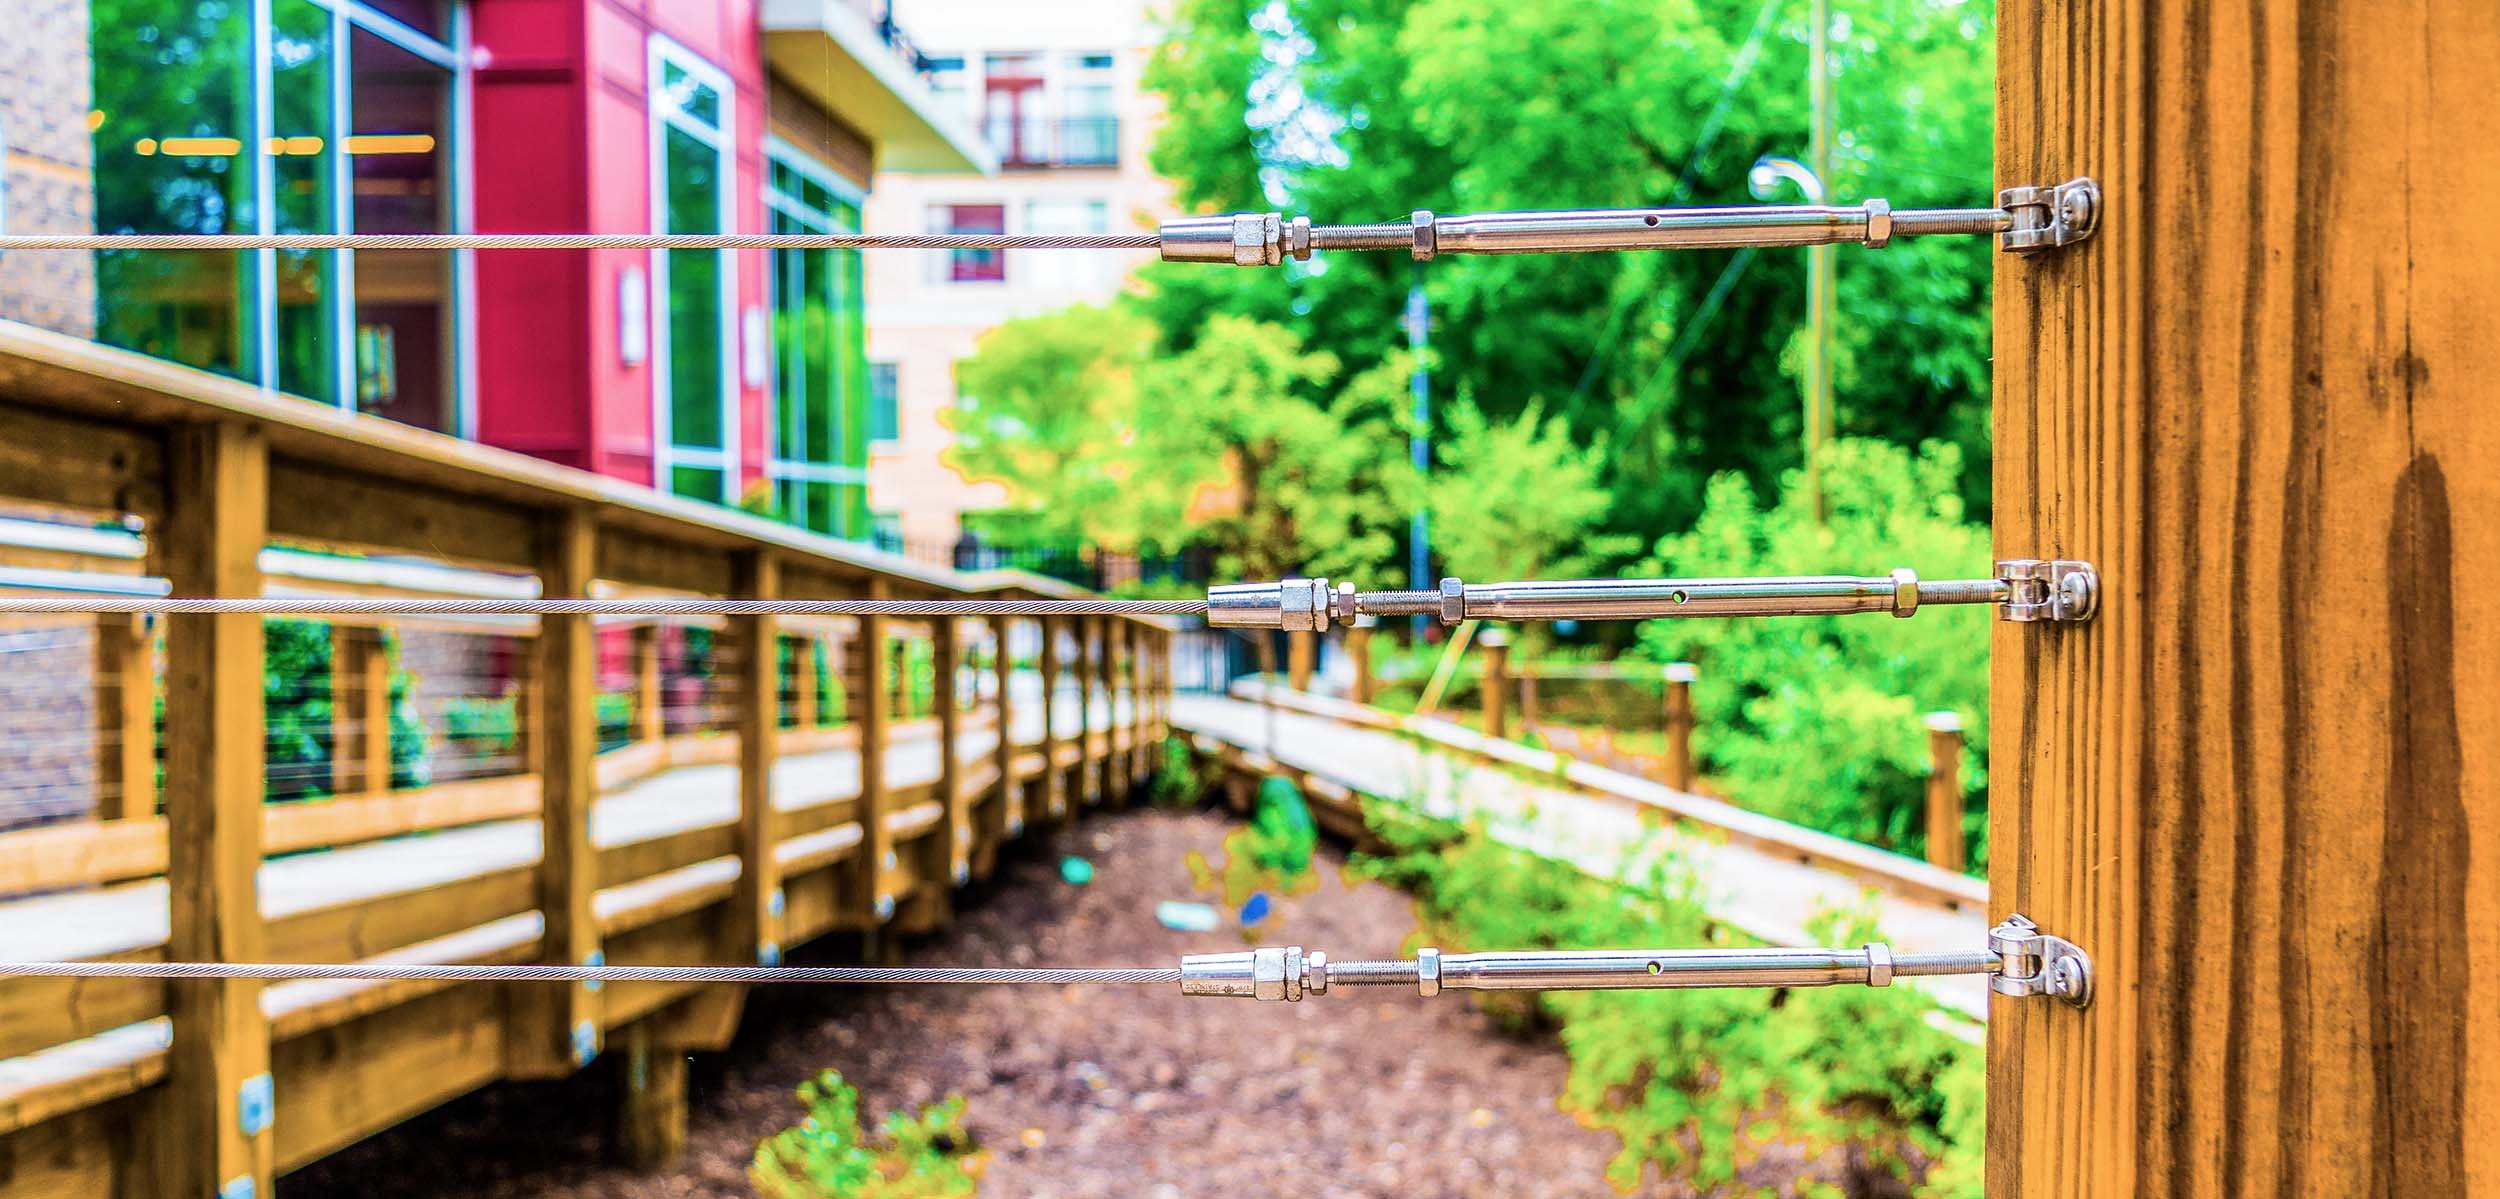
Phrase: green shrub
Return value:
(295, 689)
(479, 728)
(1177, 784)
(1816, 720)
(1697, 1083)
(829, 1153)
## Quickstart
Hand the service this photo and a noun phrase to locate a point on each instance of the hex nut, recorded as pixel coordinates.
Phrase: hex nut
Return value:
(1453, 601)
(1878, 223)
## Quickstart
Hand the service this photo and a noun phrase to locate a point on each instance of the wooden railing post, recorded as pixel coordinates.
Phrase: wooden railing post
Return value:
(1527, 699)
(947, 657)
(1115, 741)
(1141, 743)
(1945, 846)
(1358, 646)
(360, 710)
(1496, 682)
(1007, 810)
(1054, 781)
(650, 701)
(1301, 655)
(1679, 751)
(804, 710)
(872, 897)
(215, 1138)
(557, 1026)
(125, 708)
(754, 933)
(1089, 769)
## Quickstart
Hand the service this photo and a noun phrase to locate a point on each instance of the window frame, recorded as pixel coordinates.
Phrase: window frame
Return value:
(780, 152)
(663, 115)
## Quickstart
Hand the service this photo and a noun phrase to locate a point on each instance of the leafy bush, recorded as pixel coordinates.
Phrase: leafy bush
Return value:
(1697, 1083)
(1177, 784)
(1817, 719)
(829, 1153)
(295, 688)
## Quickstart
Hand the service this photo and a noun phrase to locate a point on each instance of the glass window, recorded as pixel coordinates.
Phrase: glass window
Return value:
(819, 355)
(174, 81)
(972, 266)
(1090, 60)
(692, 288)
(885, 417)
(399, 171)
(181, 146)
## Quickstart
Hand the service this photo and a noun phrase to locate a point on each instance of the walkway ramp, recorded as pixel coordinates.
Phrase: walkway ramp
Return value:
(1767, 877)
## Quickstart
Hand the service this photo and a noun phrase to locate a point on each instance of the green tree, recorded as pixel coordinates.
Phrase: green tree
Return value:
(1039, 396)
(1242, 441)
(1816, 719)
(1356, 110)
(1519, 499)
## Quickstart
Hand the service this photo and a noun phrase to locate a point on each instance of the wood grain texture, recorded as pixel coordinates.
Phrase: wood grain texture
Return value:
(216, 524)
(125, 716)
(871, 660)
(752, 933)
(947, 658)
(2258, 786)
(565, 681)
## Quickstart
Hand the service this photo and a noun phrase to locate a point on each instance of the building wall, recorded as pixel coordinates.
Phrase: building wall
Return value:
(46, 176)
(563, 142)
(923, 324)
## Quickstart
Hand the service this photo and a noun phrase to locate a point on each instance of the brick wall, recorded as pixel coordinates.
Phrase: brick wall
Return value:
(46, 172)
(47, 723)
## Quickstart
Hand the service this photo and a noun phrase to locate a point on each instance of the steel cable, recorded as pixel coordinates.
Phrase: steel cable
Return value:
(422, 972)
(579, 241)
(367, 606)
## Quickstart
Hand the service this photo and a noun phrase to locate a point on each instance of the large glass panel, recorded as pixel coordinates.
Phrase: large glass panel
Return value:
(398, 149)
(697, 324)
(302, 62)
(173, 87)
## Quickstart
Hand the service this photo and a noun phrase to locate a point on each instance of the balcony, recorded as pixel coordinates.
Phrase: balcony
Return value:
(1072, 142)
(861, 68)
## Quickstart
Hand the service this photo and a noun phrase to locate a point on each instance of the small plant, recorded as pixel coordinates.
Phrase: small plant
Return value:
(1178, 784)
(829, 1153)
(1699, 1084)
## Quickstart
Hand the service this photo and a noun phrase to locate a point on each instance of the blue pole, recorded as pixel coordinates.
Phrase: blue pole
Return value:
(1419, 445)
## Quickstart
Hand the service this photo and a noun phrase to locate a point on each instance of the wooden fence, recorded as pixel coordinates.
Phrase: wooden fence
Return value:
(186, 1088)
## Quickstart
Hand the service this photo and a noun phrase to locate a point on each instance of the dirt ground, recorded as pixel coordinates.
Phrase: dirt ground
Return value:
(1078, 1091)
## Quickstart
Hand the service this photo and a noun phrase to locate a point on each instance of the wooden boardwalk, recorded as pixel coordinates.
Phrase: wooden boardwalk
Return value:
(1765, 877)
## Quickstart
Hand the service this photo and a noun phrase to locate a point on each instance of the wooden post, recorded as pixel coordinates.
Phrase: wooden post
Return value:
(528, 703)
(1527, 699)
(650, 1127)
(1680, 677)
(870, 895)
(1496, 682)
(650, 701)
(360, 710)
(1007, 813)
(556, 1026)
(1143, 750)
(216, 1111)
(1944, 792)
(125, 709)
(1054, 780)
(803, 685)
(947, 656)
(1301, 655)
(754, 928)
(1358, 646)
(1116, 742)
(2262, 787)
(1088, 767)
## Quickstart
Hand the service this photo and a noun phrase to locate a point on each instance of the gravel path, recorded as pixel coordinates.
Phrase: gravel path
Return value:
(1078, 1091)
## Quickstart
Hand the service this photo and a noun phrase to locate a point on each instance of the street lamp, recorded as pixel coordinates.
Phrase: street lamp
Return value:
(1764, 180)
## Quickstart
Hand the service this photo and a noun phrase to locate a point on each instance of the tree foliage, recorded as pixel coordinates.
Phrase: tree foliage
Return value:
(1519, 499)
(1817, 719)
(1356, 110)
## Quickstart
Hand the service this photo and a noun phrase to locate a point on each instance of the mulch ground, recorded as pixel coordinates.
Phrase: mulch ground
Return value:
(1078, 1091)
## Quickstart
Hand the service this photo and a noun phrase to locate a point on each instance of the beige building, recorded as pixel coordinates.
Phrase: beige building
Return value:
(1054, 88)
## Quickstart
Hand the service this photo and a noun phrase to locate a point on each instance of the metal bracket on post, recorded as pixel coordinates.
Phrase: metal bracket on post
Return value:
(2059, 589)
(2031, 962)
(2045, 218)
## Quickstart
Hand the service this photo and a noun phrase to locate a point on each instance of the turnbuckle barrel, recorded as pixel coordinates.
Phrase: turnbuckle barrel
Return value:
(2024, 590)
(1287, 974)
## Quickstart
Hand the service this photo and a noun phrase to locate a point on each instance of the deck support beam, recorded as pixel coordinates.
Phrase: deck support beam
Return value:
(1054, 781)
(2262, 787)
(125, 706)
